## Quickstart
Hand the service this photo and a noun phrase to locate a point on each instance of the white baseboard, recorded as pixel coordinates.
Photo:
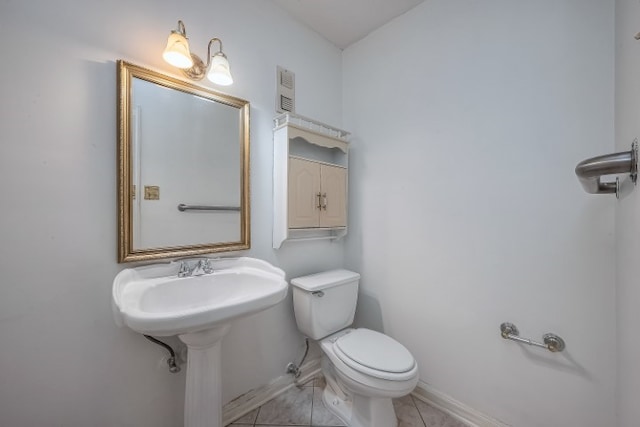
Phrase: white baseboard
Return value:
(253, 399)
(456, 409)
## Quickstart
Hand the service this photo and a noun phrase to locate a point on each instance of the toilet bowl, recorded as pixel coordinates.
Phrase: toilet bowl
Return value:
(364, 369)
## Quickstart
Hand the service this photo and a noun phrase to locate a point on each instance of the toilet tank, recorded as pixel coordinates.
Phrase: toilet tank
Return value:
(325, 303)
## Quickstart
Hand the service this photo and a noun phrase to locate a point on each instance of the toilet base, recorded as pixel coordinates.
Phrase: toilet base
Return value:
(338, 407)
(362, 412)
(355, 410)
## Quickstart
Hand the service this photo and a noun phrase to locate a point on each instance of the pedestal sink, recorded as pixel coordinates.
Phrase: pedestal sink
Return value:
(153, 300)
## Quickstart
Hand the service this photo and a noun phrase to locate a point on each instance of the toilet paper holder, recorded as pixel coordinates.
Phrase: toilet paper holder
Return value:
(551, 342)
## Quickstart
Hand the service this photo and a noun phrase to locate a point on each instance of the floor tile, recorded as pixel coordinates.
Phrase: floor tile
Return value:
(407, 412)
(293, 407)
(434, 417)
(248, 419)
(319, 381)
(320, 416)
(303, 406)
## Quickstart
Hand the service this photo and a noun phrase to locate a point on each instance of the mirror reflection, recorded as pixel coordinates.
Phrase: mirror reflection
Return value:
(184, 164)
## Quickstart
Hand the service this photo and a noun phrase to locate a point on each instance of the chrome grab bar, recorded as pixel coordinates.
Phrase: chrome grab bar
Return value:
(590, 171)
(182, 207)
(551, 342)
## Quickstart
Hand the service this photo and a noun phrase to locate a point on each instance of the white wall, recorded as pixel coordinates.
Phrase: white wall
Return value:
(62, 359)
(627, 216)
(469, 120)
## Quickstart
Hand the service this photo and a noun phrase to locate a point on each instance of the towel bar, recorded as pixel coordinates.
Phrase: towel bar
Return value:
(551, 342)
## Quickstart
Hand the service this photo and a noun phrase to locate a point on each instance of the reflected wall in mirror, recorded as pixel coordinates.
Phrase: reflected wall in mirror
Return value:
(183, 178)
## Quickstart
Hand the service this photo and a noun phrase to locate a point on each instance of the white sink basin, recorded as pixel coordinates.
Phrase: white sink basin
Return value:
(153, 300)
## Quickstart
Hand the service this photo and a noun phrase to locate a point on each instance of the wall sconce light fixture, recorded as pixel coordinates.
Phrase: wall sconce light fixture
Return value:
(177, 53)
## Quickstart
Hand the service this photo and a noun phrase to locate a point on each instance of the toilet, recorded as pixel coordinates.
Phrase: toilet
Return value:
(364, 369)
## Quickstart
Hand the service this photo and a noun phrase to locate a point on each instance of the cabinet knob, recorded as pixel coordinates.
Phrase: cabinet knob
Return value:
(324, 201)
(319, 196)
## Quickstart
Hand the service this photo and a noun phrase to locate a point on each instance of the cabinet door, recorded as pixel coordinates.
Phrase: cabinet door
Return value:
(304, 188)
(333, 183)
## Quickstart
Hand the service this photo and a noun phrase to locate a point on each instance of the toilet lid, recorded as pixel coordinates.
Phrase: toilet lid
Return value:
(375, 351)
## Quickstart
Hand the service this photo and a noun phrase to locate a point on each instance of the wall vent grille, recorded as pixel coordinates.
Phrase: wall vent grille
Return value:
(286, 96)
(286, 104)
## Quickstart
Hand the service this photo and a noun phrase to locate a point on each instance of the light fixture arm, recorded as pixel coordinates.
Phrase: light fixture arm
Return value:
(181, 28)
(219, 52)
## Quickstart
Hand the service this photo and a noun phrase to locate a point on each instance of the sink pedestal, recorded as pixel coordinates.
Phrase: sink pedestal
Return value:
(203, 395)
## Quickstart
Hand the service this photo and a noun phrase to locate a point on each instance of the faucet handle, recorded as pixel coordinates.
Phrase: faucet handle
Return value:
(206, 265)
(184, 269)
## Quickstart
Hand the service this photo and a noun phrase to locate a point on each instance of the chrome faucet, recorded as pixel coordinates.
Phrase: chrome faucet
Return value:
(203, 266)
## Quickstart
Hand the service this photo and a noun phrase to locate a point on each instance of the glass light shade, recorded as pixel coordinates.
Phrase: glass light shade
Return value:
(177, 51)
(219, 70)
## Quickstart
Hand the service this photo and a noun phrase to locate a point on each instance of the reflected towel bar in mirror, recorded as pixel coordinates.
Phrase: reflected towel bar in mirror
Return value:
(182, 207)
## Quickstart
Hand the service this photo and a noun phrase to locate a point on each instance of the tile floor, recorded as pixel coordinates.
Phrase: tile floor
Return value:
(302, 406)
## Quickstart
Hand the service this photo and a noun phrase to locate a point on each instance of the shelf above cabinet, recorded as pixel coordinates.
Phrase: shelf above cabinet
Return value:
(313, 131)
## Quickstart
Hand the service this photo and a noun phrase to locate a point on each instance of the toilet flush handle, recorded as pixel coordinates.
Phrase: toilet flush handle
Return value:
(318, 294)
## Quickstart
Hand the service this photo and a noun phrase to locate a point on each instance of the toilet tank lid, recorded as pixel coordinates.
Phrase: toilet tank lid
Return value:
(324, 280)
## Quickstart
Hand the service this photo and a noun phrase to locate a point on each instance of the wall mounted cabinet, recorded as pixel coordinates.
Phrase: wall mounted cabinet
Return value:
(310, 180)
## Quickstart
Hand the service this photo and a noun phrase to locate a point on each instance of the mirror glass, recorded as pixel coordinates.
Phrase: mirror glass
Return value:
(184, 157)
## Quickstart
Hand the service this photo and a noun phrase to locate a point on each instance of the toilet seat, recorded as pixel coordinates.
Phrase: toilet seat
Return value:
(375, 354)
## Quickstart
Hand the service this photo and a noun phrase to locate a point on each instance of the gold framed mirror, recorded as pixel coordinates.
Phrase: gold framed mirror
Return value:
(183, 168)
